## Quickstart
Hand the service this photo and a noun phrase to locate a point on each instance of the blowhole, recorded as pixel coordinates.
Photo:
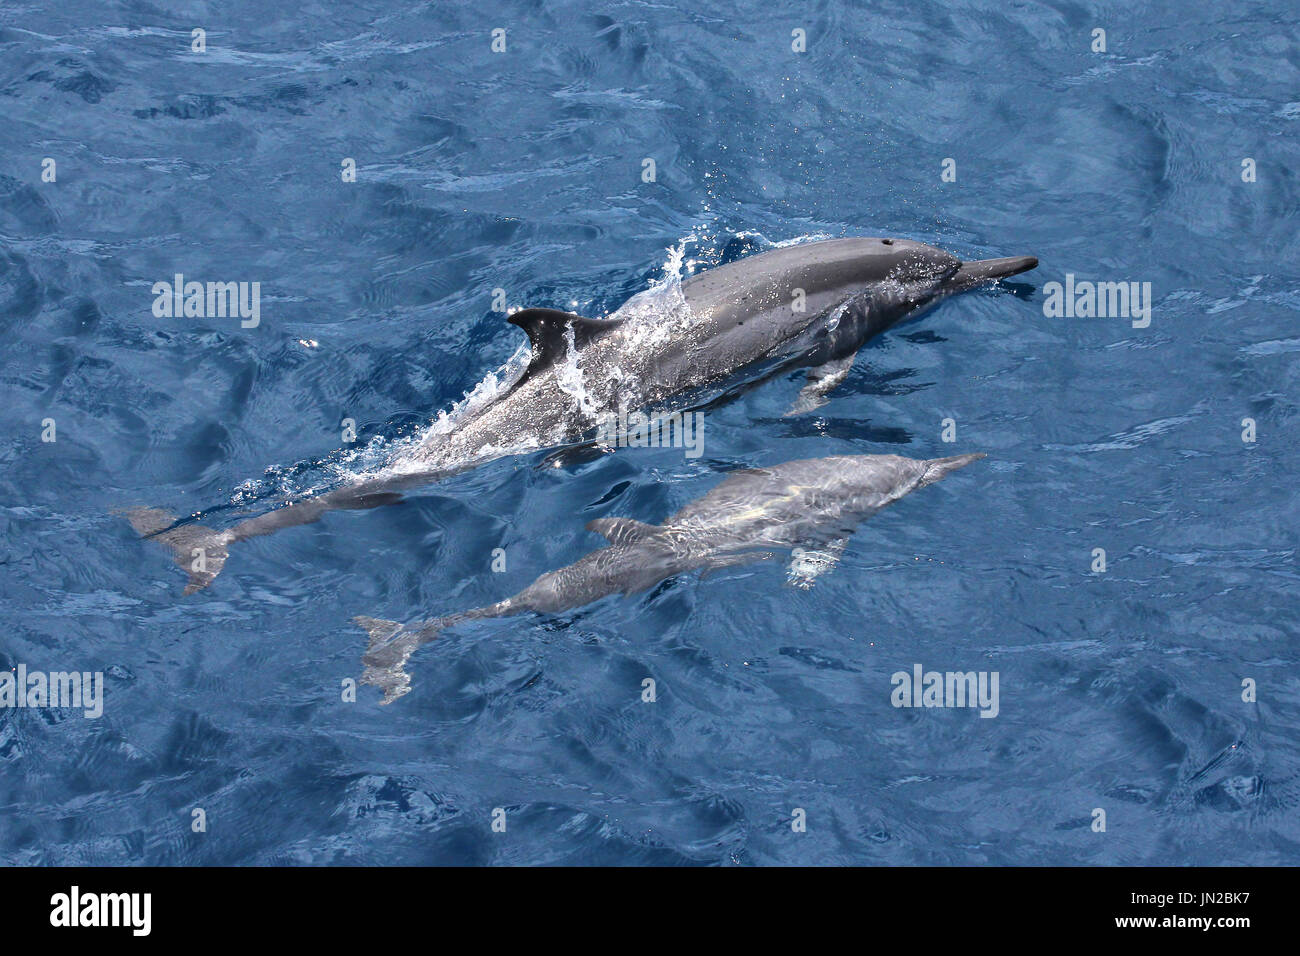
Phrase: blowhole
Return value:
(888, 242)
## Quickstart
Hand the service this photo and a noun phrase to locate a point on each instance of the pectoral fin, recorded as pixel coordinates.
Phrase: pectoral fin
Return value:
(731, 560)
(821, 380)
(806, 564)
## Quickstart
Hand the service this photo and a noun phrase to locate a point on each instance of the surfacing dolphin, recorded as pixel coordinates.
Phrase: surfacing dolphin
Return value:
(807, 305)
(815, 504)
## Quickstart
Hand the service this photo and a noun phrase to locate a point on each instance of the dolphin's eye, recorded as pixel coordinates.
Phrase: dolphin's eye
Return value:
(888, 242)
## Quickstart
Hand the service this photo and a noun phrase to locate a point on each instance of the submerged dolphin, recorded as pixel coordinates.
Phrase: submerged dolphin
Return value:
(808, 305)
(815, 503)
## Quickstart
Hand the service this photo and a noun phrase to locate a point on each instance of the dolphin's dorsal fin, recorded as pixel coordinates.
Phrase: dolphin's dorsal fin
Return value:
(621, 530)
(547, 335)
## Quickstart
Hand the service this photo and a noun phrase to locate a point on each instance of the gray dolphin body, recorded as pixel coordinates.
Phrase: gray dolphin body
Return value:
(808, 305)
(815, 503)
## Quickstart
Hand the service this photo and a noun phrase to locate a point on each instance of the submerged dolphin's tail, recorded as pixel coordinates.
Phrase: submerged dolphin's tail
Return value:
(200, 551)
(391, 646)
(936, 468)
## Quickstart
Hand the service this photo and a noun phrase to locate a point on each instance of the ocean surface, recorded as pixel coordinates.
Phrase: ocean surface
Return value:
(1163, 691)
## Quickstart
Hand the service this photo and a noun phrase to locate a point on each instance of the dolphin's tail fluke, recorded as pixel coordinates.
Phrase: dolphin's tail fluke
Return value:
(936, 468)
(200, 551)
(391, 646)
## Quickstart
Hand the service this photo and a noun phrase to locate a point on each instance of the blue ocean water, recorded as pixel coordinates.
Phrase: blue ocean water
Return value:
(524, 171)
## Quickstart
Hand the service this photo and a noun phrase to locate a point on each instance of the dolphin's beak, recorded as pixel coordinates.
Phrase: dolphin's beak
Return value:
(987, 270)
(936, 468)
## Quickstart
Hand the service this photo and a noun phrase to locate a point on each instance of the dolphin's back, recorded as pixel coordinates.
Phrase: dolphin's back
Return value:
(818, 268)
(798, 489)
(836, 492)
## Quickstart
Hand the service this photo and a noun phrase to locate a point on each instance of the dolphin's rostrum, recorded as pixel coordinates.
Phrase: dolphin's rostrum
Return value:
(815, 503)
(807, 305)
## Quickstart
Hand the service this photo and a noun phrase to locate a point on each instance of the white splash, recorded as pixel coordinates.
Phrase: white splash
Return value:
(569, 378)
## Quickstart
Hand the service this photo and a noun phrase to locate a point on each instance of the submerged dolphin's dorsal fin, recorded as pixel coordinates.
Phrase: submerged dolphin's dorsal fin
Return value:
(547, 335)
(621, 530)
